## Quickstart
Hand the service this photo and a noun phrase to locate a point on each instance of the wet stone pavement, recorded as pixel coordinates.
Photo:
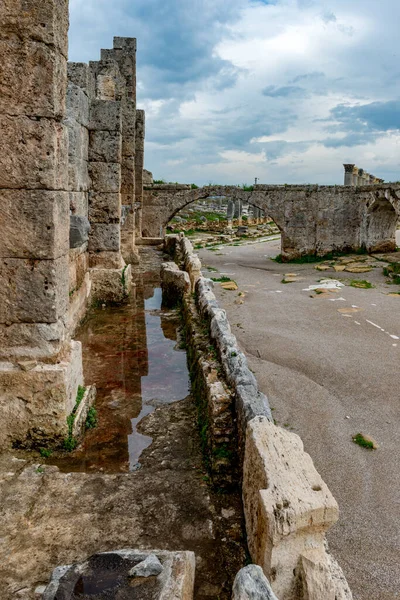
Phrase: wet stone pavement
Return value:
(138, 480)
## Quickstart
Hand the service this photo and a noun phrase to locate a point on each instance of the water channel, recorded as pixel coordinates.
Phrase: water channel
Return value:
(132, 353)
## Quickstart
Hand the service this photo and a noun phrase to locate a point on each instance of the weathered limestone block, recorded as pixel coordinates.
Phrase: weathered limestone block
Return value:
(105, 237)
(79, 203)
(105, 116)
(78, 267)
(38, 341)
(34, 404)
(105, 146)
(33, 291)
(78, 106)
(78, 136)
(104, 207)
(31, 78)
(127, 176)
(78, 175)
(111, 285)
(106, 260)
(193, 267)
(175, 283)
(175, 580)
(79, 231)
(147, 177)
(43, 20)
(288, 507)
(34, 154)
(81, 75)
(46, 236)
(79, 300)
(106, 177)
(251, 584)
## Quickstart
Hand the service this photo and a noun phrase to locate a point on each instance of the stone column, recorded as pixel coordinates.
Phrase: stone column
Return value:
(123, 54)
(229, 212)
(41, 367)
(110, 276)
(371, 179)
(139, 166)
(355, 176)
(360, 180)
(348, 174)
(237, 214)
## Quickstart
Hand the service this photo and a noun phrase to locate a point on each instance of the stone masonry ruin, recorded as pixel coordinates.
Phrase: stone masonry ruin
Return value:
(313, 220)
(71, 191)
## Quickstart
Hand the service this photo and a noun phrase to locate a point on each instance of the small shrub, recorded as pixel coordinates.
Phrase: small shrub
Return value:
(70, 443)
(91, 419)
(45, 452)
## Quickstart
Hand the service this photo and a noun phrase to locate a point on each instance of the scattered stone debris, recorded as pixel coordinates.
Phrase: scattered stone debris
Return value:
(229, 285)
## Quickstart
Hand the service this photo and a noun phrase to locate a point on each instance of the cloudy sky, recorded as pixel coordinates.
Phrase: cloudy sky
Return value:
(285, 91)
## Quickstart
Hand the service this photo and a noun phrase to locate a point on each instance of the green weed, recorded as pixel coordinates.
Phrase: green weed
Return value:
(91, 419)
(361, 441)
(45, 452)
(361, 283)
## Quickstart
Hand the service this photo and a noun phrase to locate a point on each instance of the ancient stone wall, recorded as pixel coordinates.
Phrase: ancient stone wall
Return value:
(67, 190)
(313, 220)
(41, 367)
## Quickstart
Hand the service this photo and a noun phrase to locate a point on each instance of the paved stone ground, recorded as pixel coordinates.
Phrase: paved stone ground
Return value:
(329, 375)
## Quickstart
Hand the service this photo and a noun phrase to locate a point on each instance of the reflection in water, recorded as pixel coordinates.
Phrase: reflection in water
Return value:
(130, 353)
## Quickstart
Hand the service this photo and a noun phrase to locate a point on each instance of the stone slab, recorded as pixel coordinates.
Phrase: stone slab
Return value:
(106, 260)
(78, 137)
(79, 203)
(34, 224)
(34, 153)
(105, 146)
(106, 177)
(288, 507)
(105, 237)
(105, 116)
(43, 20)
(111, 285)
(32, 78)
(33, 291)
(77, 105)
(78, 175)
(34, 404)
(104, 207)
(29, 341)
(81, 75)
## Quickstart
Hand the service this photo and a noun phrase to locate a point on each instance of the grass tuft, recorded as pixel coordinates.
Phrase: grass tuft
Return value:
(361, 283)
(363, 442)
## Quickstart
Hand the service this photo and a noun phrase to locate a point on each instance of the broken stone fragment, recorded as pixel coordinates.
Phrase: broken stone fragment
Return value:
(251, 584)
(149, 567)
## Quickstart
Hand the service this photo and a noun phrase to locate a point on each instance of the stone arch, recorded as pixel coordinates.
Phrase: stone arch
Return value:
(379, 233)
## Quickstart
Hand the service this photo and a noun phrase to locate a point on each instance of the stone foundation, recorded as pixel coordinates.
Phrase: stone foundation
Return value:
(36, 399)
(288, 507)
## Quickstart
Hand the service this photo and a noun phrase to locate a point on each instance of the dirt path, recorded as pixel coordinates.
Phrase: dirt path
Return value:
(329, 374)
